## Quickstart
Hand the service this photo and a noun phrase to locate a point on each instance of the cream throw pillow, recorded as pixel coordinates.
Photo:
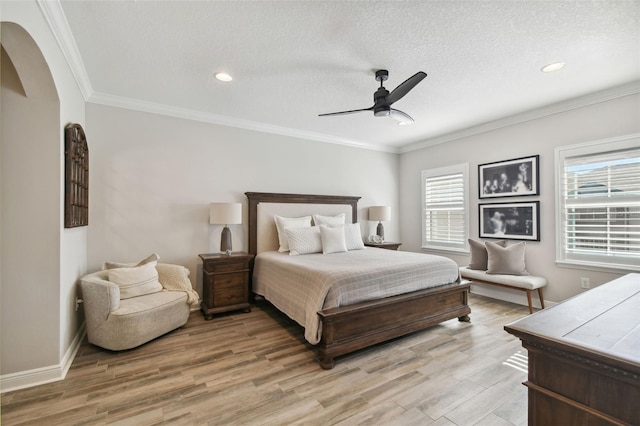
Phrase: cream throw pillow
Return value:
(112, 265)
(136, 281)
(304, 240)
(353, 236)
(282, 223)
(328, 220)
(506, 260)
(333, 240)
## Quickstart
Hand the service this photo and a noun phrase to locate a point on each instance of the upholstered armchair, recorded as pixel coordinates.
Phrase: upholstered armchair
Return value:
(122, 312)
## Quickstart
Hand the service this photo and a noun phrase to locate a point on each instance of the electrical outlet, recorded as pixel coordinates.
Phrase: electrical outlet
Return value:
(585, 283)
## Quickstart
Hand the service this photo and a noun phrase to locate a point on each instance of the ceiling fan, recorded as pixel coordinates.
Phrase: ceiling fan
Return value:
(383, 99)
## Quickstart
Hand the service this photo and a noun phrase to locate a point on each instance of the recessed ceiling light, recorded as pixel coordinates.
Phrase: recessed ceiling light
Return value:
(223, 76)
(553, 67)
(404, 123)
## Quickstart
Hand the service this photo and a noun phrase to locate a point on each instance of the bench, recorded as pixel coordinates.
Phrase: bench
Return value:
(526, 283)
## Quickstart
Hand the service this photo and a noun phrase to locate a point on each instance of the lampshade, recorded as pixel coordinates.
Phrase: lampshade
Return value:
(225, 213)
(380, 213)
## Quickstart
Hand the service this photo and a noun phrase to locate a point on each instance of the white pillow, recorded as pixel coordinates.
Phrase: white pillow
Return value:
(304, 240)
(333, 240)
(338, 219)
(136, 281)
(282, 223)
(353, 236)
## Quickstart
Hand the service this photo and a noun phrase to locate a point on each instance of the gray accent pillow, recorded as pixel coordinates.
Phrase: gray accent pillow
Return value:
(506, 260)
(479, 254)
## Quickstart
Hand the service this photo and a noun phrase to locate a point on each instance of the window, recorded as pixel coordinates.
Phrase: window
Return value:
(598, 204)
(445, 213)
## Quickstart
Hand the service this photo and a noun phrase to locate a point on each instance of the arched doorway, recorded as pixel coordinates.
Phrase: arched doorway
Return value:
(30, 203)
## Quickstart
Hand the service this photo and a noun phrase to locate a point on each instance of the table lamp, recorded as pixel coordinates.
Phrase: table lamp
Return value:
(380, 214)
(225, 214)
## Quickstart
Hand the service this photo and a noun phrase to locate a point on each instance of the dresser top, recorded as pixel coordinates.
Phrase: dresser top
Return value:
(604, 320)
(235, 256)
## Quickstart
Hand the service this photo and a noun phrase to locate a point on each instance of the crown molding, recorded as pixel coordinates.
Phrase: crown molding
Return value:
(191, 114)
(556, 108)
(57, 21)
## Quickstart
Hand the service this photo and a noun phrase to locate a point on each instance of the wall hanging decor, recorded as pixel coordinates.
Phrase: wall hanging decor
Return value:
(510, 221)
(510, 178)
(76, 177)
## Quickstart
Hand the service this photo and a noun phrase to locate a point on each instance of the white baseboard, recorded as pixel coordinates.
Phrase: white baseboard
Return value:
(42, 375)
(513, 296)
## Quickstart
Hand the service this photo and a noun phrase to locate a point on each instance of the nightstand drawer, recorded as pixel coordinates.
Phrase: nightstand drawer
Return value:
(218, 268)
(229, 296)
(235, 279)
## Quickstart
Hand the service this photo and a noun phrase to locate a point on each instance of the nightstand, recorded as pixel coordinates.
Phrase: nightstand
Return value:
(225, 283)
(385, 245)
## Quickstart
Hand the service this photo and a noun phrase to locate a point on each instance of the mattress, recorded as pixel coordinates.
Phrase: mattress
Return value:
(300, 286)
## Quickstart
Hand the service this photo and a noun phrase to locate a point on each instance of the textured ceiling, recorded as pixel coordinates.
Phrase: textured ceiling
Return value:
(296, 59)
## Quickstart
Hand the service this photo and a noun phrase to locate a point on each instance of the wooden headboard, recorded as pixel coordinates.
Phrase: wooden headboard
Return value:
(255, 198)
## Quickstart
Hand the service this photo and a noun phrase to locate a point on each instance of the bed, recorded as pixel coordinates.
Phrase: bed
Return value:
(338, 326)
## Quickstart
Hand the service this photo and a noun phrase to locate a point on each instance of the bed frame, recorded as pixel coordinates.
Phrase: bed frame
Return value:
(349, 328)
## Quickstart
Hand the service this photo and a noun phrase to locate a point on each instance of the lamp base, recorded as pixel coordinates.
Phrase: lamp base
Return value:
(225, 240)
(380, 231)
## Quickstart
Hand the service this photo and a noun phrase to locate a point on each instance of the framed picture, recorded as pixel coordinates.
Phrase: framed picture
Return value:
(511, 178)
(510, 221)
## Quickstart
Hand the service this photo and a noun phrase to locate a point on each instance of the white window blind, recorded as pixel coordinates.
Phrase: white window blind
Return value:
(600, 206)
(445, 212)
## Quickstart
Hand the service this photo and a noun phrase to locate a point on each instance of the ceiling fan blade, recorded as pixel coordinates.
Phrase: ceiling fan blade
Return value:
(400, 116)
(405, 87)
(346, 112)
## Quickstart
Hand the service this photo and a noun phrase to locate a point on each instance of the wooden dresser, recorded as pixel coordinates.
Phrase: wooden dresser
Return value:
(584, 357)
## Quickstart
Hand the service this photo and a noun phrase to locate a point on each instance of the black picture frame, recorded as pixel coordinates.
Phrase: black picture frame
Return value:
(510, 221)
(510, 178)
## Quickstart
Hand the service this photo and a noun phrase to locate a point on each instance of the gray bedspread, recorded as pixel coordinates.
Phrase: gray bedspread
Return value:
(300, 286)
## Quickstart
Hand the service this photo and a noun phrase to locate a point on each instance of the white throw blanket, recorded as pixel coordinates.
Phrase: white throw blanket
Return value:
(176, 278)
(300, 286)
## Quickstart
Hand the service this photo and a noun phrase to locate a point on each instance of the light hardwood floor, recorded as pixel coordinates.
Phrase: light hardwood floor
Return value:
(256, 369)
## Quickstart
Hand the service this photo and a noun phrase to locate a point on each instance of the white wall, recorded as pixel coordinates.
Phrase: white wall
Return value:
(540, 136)
(153, 177)
(30, 216)
(69, 253)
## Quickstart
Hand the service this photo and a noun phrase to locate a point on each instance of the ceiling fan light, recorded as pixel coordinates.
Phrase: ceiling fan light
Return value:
(223, 76)
(404, 123)
(556, 66)
(382, 113)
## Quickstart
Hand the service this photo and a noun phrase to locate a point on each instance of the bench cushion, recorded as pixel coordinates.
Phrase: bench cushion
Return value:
(143, 305)
(529, 282)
